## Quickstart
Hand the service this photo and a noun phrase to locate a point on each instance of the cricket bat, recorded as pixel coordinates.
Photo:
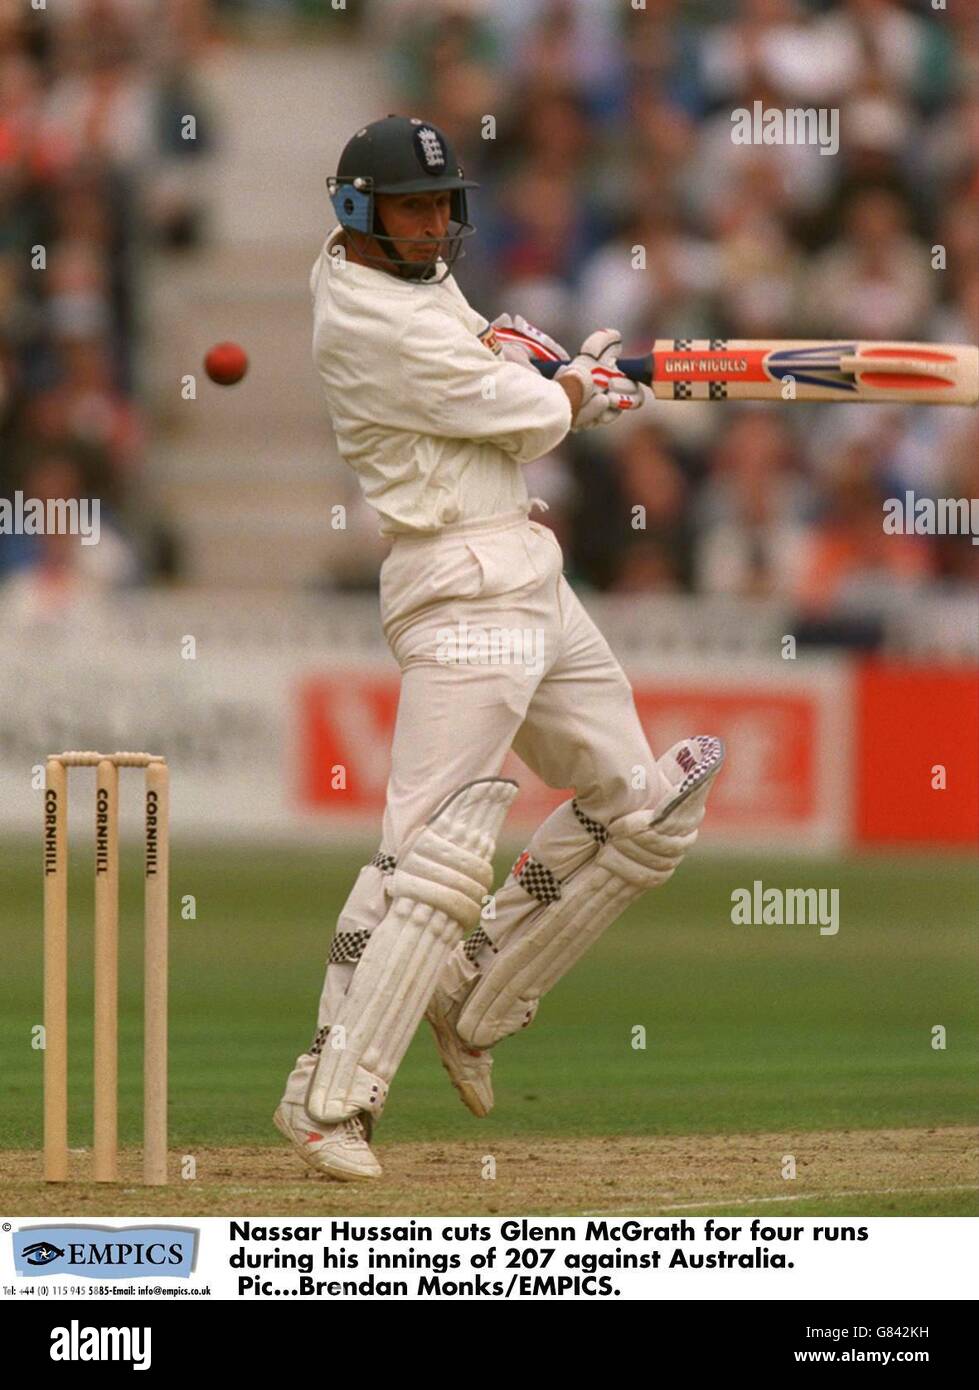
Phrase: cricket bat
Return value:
(736, 369)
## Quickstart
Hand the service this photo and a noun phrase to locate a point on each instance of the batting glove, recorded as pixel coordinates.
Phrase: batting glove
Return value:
(607, 391)
(525, 344)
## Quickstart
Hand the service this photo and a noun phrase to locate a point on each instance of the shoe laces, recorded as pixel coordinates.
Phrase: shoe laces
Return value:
(356, 1128)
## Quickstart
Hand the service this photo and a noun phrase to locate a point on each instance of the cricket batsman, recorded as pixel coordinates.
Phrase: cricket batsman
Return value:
(437, 410)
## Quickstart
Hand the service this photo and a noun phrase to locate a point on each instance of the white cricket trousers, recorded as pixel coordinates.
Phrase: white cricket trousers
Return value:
(552, 691)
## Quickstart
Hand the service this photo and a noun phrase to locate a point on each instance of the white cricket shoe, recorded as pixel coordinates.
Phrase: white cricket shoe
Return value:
(470, 1069)
(338, 1151)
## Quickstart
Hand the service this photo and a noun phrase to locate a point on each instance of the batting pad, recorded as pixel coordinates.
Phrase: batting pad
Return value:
(642, 851)
(437, 894)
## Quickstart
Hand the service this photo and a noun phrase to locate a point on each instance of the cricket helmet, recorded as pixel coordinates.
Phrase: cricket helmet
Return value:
(401, 154)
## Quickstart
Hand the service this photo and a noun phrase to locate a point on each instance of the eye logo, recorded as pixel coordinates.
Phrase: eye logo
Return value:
(42, 1253)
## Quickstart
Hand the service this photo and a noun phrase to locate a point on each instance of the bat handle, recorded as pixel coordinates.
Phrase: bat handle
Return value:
(637, 368)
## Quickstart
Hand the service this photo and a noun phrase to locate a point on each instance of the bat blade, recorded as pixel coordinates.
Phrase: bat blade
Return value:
(803, 370)
(737, 369)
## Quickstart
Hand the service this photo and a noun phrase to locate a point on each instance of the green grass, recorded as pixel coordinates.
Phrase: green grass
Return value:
(747, 1028)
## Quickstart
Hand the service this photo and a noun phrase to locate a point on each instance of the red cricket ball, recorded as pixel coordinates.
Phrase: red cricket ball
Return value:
(226, 363)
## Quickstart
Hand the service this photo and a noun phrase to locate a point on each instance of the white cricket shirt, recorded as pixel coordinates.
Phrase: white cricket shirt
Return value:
(433, 421)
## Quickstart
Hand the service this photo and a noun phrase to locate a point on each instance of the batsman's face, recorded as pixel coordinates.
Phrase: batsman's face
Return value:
(418, 218)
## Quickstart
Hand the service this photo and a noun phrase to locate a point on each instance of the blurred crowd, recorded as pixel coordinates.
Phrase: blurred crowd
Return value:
(610, 193)
(93, 173)
(612, 133)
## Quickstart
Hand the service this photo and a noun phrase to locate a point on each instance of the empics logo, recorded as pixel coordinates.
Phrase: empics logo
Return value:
(106, 1252)
(76, 1343)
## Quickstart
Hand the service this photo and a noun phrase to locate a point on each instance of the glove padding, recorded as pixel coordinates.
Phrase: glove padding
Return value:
(525, 344)
(607, 391)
